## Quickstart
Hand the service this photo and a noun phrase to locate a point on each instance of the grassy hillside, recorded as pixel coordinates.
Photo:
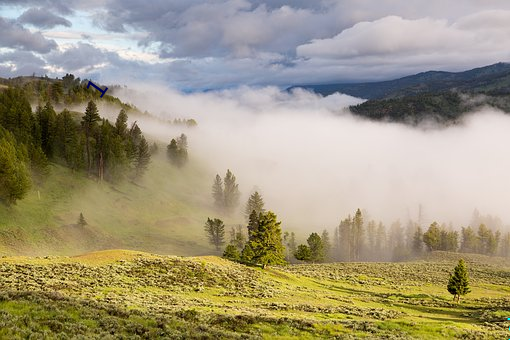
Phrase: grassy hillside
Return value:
(164, 213)
(140, 295)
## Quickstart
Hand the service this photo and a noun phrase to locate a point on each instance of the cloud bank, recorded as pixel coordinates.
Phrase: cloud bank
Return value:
(314, 163)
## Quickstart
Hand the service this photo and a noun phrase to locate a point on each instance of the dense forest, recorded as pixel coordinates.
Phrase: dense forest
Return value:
(84, 142)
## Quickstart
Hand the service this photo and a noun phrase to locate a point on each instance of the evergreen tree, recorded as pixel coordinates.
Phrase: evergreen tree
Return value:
(316, 247)
(237, 237)
(470, 243)
(266, 241)
(143, 158)
(505, 245)
(326, 243)
(230, 192)
(217, 193)
(232, 253)
(121, 126)
(371, 237)
(289, 240)
(46, 118)
(253, 224)
(89, 122)
(81, 220)
(67, 140)
(255, 203)
(458, 283)
(247, 254)
(303, 253)
(357, 235)
(418, 241)
(345, 231)
(177, 151)
(14, 176)
(381, 239)
(432, 237)
(215, 230)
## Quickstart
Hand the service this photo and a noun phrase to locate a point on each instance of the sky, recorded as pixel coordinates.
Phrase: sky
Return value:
(193, 45)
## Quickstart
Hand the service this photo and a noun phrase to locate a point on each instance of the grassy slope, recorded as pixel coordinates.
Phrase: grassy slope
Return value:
(138, 294)
(164, 213)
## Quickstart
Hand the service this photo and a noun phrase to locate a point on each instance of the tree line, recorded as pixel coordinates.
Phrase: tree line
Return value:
(82, 142)
(357, 240)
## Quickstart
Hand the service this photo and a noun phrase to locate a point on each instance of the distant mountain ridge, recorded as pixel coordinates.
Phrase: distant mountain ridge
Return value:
(492, 79)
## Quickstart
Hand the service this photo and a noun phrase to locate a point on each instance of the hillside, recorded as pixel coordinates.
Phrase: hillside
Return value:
(165, 213)
(140, 295)
(488, 79)
(443, 97)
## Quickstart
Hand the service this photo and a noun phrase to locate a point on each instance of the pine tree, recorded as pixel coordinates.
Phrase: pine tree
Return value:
(14, 175)
(432, 237)
(231, 192)
(316, 247)
(470, 243)
(237, 237)
(232, 253)
(143, 158)
(357, 233)
(215, 230)
(247, 254)
(81, 220)
(89, 122)
(121, 126)
(458, 283)
(255, 203)
(418, 241)
(266, 241)
(345, 233)
(326, 243)
(217, 193)
(303, 253)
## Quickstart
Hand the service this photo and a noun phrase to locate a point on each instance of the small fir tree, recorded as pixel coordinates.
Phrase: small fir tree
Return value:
(458, 284)
(81, 221)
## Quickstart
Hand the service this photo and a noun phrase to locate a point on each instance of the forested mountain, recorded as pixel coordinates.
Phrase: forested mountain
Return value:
(433, 95)
(493, 79)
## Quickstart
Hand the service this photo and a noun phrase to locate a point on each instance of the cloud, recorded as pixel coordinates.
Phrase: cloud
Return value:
(314, 163)
(15, 36)
(477, 39)
(80, 56)
(21, 62)
(42, 18)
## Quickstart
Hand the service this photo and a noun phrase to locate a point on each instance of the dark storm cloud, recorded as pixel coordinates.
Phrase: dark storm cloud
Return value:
(42, 18)
(14, 35)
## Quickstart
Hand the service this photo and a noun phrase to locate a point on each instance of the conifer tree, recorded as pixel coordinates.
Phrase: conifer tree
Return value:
(458, 283)
(215, 231)
(357, 234)
(89, 122)
(143, 158)
(81, 220)
(327, 245)
(303, 253)
(432, 237)
(231, 192)
(14, 175)
(231, 253)
(418, 241)
(217, 192)
(266, 241)
(255, 203)
(316, 247)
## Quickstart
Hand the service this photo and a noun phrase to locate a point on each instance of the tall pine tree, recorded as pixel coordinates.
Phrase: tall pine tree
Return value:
(89, 122)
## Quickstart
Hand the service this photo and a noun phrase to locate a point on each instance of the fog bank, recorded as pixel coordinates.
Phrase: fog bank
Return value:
(315, 163)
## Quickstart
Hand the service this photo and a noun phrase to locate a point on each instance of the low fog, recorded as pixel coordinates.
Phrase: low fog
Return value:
(315, 163)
